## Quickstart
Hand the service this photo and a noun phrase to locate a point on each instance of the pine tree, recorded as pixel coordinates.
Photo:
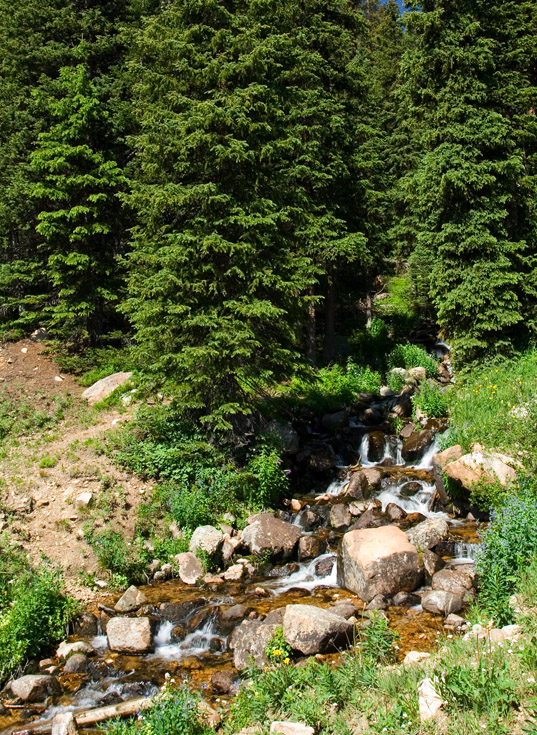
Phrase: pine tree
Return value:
(244, 193)
(465, 185)
(76, 187)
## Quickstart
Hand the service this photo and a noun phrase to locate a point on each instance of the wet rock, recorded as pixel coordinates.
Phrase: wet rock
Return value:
(86, 625)
(373, 478)
(358, 486)
(310, 547)
(409, 489)
(394, 513)
(34, 687)
(66, 649)
(322, 460)
(103, 388)
(64, 724)
(189, 566)
(130, 600)
(270, 535)
(207, 538)
(480, 466)
(405, 599)
(379, 602)
(308, 520)
(415, 446)
(222, 682)
(429, 533)
(130, 635)
(248, 643)
(335, 421)
(407, 430)
(288, 436)
(76, 664)
(372, 518)
(402, 406)
(234, 573)
(179, 633)
(311, 630)
(233, 616)
(285, 571)
(432, 563)
(211, 579)
(340, 515)
(177, 612)
(371, 416)
(429, 700)
(415, 657)
(378, 561)
(345, 608)
(440, 602)
(376, 446)
(357, 507)
(452, 580)
(46, 662)
(290, 728)
(324, 567)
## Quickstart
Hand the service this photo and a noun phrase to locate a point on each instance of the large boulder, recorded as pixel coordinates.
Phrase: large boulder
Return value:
(34, 687)
(453, 580)
(207, 538)
(311, 629)
(428, 534)
(248, 643)
(130, 600)
(103, 388)
(189, 567)
(378, 561)
(268, 534)
(441, 602)
(415, 446)
(480, 466)
(130, 635)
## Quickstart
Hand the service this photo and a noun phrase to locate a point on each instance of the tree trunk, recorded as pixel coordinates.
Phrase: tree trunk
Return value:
(329, 350)
(311, 332)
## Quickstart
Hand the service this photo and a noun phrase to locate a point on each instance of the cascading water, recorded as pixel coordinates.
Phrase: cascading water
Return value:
(420, 502)
(306, 577)
(426, 462)
(200, 641)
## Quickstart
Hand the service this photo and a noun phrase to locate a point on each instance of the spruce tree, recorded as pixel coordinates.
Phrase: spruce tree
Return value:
(465, 186)
(76, 186)
(244, 192)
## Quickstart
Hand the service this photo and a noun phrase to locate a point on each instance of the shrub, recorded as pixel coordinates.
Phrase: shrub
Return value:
(270, 480)
(334, 387)
(509, 546)
(124, 561)
(395, 380)
(431, 400)
(378, 639)
(278, 651)
(37, 616)
(175, 712)
(409, 356)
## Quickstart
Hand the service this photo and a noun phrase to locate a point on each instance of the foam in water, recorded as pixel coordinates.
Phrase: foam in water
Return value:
(421, 502)
(426, 462)
(306, 577)
(465, 553)
(200, 641)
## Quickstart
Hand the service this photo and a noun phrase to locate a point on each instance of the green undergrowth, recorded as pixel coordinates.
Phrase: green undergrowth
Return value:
(93, 364)
(19, 417)
(496, 405)
(34, 609)
(328, 389)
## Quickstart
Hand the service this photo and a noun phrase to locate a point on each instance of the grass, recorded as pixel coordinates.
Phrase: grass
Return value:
(496, 405)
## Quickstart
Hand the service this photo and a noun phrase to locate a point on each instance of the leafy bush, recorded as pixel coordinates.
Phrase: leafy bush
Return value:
(409, 356)
(395, 380)
(35, 614)
(175, 712)
(509, 546)
(370, 346)
(334, 387)
(270, 481)
(378, 639)
(116, 555)
(278, 651)
(431, 400)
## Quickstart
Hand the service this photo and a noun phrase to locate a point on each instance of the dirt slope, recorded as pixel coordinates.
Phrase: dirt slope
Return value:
(40, 501)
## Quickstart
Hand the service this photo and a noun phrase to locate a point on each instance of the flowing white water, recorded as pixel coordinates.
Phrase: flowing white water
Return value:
(426, 462)
(421, 502)
(465, 553)
(194, 644)
(306, 577)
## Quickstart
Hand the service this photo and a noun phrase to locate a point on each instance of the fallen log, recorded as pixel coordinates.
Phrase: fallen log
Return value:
(91, 716)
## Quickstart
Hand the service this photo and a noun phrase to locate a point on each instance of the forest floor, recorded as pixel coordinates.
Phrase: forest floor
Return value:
(44, 470)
